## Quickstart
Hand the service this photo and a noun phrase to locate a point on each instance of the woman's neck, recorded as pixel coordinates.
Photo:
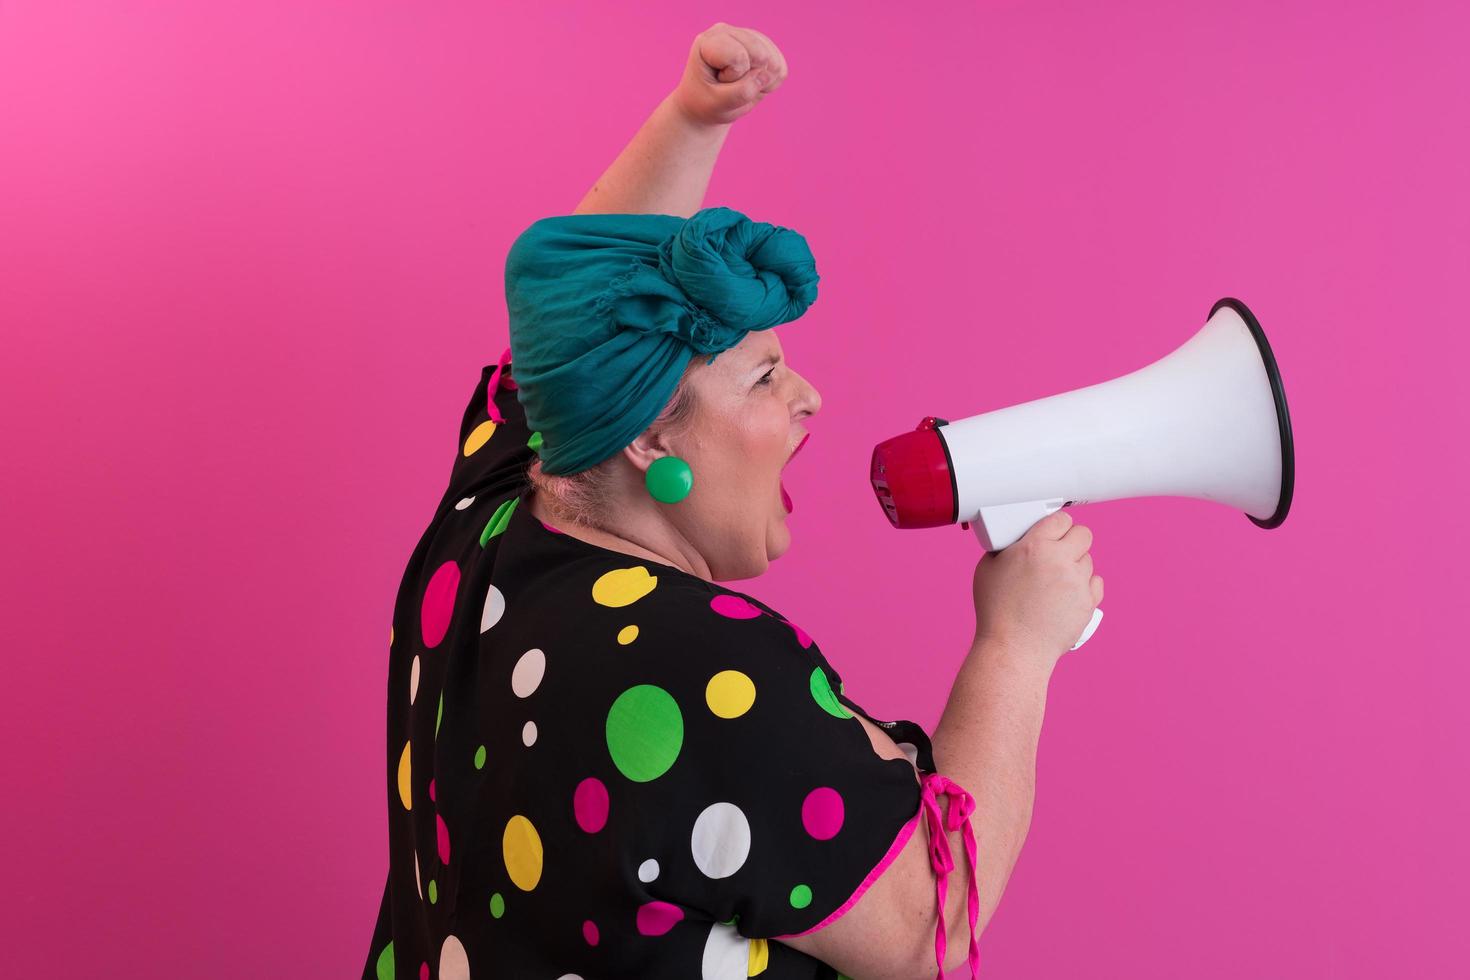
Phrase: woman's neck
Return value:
(612, 542)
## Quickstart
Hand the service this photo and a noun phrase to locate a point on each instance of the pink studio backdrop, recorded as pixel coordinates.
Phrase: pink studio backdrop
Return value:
(250, 267)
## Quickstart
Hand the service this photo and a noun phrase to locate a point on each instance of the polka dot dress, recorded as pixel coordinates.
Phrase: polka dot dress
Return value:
(600, 766)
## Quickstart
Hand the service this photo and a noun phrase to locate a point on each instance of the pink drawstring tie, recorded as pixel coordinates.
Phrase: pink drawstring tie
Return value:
(961, 805)
(492, 386)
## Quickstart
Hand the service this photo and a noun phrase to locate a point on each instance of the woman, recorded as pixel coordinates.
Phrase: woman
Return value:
(601, 763)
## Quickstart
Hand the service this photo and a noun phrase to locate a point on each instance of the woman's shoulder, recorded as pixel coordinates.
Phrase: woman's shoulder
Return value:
(700, 610)
(592, 581)
(651, 608)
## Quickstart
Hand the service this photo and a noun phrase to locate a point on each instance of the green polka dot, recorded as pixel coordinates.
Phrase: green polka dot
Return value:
(480, 757)
(433, 891)
(645, 732)
(801, 897)
(385, 963)
(534, 442)
(498, 520)
(441, 714)
(497, 905)
(822, 694)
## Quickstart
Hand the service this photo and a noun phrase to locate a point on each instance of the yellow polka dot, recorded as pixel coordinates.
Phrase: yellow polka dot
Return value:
(760, 955)
(522, 847)
(627, 635)
(479, 437)
(623, 586)
(730, 694)
(404, 777)
(390, 636)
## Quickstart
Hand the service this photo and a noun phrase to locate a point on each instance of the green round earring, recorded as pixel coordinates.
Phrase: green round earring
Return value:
(668, 479)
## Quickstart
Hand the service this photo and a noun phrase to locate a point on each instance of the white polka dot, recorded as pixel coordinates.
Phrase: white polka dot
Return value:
(648, 870)
(528, 734)
(413, 681)
(568, 976)
(464, 503)
(726, 954)
(454, 964)
(911, 750)
(417, 880)
(721, 840)
(529, 670)
(494, 609)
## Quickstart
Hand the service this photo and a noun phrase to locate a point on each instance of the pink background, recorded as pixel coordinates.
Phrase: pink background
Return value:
(250, 267)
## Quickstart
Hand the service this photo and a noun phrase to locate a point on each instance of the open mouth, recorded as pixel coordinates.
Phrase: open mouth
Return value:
(798, 448)
(786, 497)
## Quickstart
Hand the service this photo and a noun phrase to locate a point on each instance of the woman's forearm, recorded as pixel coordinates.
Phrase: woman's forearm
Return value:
(986, 741)
(664, 169)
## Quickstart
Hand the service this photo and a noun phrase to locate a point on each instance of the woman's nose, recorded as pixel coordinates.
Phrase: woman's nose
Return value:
(815, 401)
(811, 399)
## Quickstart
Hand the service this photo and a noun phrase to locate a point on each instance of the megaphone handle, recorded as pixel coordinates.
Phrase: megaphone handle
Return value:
(1096, 618)
(1002, 525)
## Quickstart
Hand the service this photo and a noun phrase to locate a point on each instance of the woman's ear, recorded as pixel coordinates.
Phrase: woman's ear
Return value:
(642, 451)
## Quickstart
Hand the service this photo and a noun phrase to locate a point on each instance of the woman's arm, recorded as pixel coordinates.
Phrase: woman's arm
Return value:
(665, 168)
(986, 741)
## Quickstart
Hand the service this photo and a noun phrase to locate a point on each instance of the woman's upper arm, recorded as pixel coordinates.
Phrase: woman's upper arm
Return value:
(889, 931)
(806, 825)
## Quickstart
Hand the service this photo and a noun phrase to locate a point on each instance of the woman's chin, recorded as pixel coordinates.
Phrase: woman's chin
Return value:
(779, 539)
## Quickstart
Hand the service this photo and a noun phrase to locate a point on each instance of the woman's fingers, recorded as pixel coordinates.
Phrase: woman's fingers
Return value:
(756, 46)
(730, 69)
(727, 55)
(776, 67)
(733, 52)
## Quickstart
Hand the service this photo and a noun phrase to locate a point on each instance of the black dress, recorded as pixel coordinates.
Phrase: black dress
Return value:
(601, 766)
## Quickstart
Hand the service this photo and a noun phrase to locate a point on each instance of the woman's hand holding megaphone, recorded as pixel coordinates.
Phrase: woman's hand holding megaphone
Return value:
(1039, 593)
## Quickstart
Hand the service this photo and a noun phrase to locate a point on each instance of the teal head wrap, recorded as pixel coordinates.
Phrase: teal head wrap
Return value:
(606, 311)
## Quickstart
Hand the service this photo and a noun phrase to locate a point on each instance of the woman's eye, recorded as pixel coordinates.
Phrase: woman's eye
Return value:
(766, 378)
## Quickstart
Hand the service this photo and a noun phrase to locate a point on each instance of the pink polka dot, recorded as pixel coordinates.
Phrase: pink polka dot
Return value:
(424, 972)
(549, 527)
(438, 604)
(589, 803)
(589, 932)
(801, 636)
(822, 812)
(657, 918)
(444, 838)
(733, 607)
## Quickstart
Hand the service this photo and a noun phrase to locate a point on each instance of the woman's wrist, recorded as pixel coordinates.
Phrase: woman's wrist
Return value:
(1015, 652)
(690, 117)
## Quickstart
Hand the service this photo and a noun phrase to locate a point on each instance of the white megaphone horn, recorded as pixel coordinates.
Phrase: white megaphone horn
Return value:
(1207, 421)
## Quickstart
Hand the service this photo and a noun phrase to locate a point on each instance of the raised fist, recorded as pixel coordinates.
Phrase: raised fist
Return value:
(729, 70)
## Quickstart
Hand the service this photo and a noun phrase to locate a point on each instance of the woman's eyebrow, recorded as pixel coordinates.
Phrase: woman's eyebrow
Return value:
(769, 359)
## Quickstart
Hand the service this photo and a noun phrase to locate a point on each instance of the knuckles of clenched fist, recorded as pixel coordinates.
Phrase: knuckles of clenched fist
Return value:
(729, 70)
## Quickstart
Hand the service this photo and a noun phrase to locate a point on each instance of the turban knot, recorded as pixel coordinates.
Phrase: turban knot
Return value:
(606, 311)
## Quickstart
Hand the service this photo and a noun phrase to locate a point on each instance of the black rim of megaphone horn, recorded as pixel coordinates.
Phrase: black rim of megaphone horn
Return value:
(1283, 419)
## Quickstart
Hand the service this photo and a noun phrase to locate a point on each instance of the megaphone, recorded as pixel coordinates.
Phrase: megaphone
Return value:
(1207, 421)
